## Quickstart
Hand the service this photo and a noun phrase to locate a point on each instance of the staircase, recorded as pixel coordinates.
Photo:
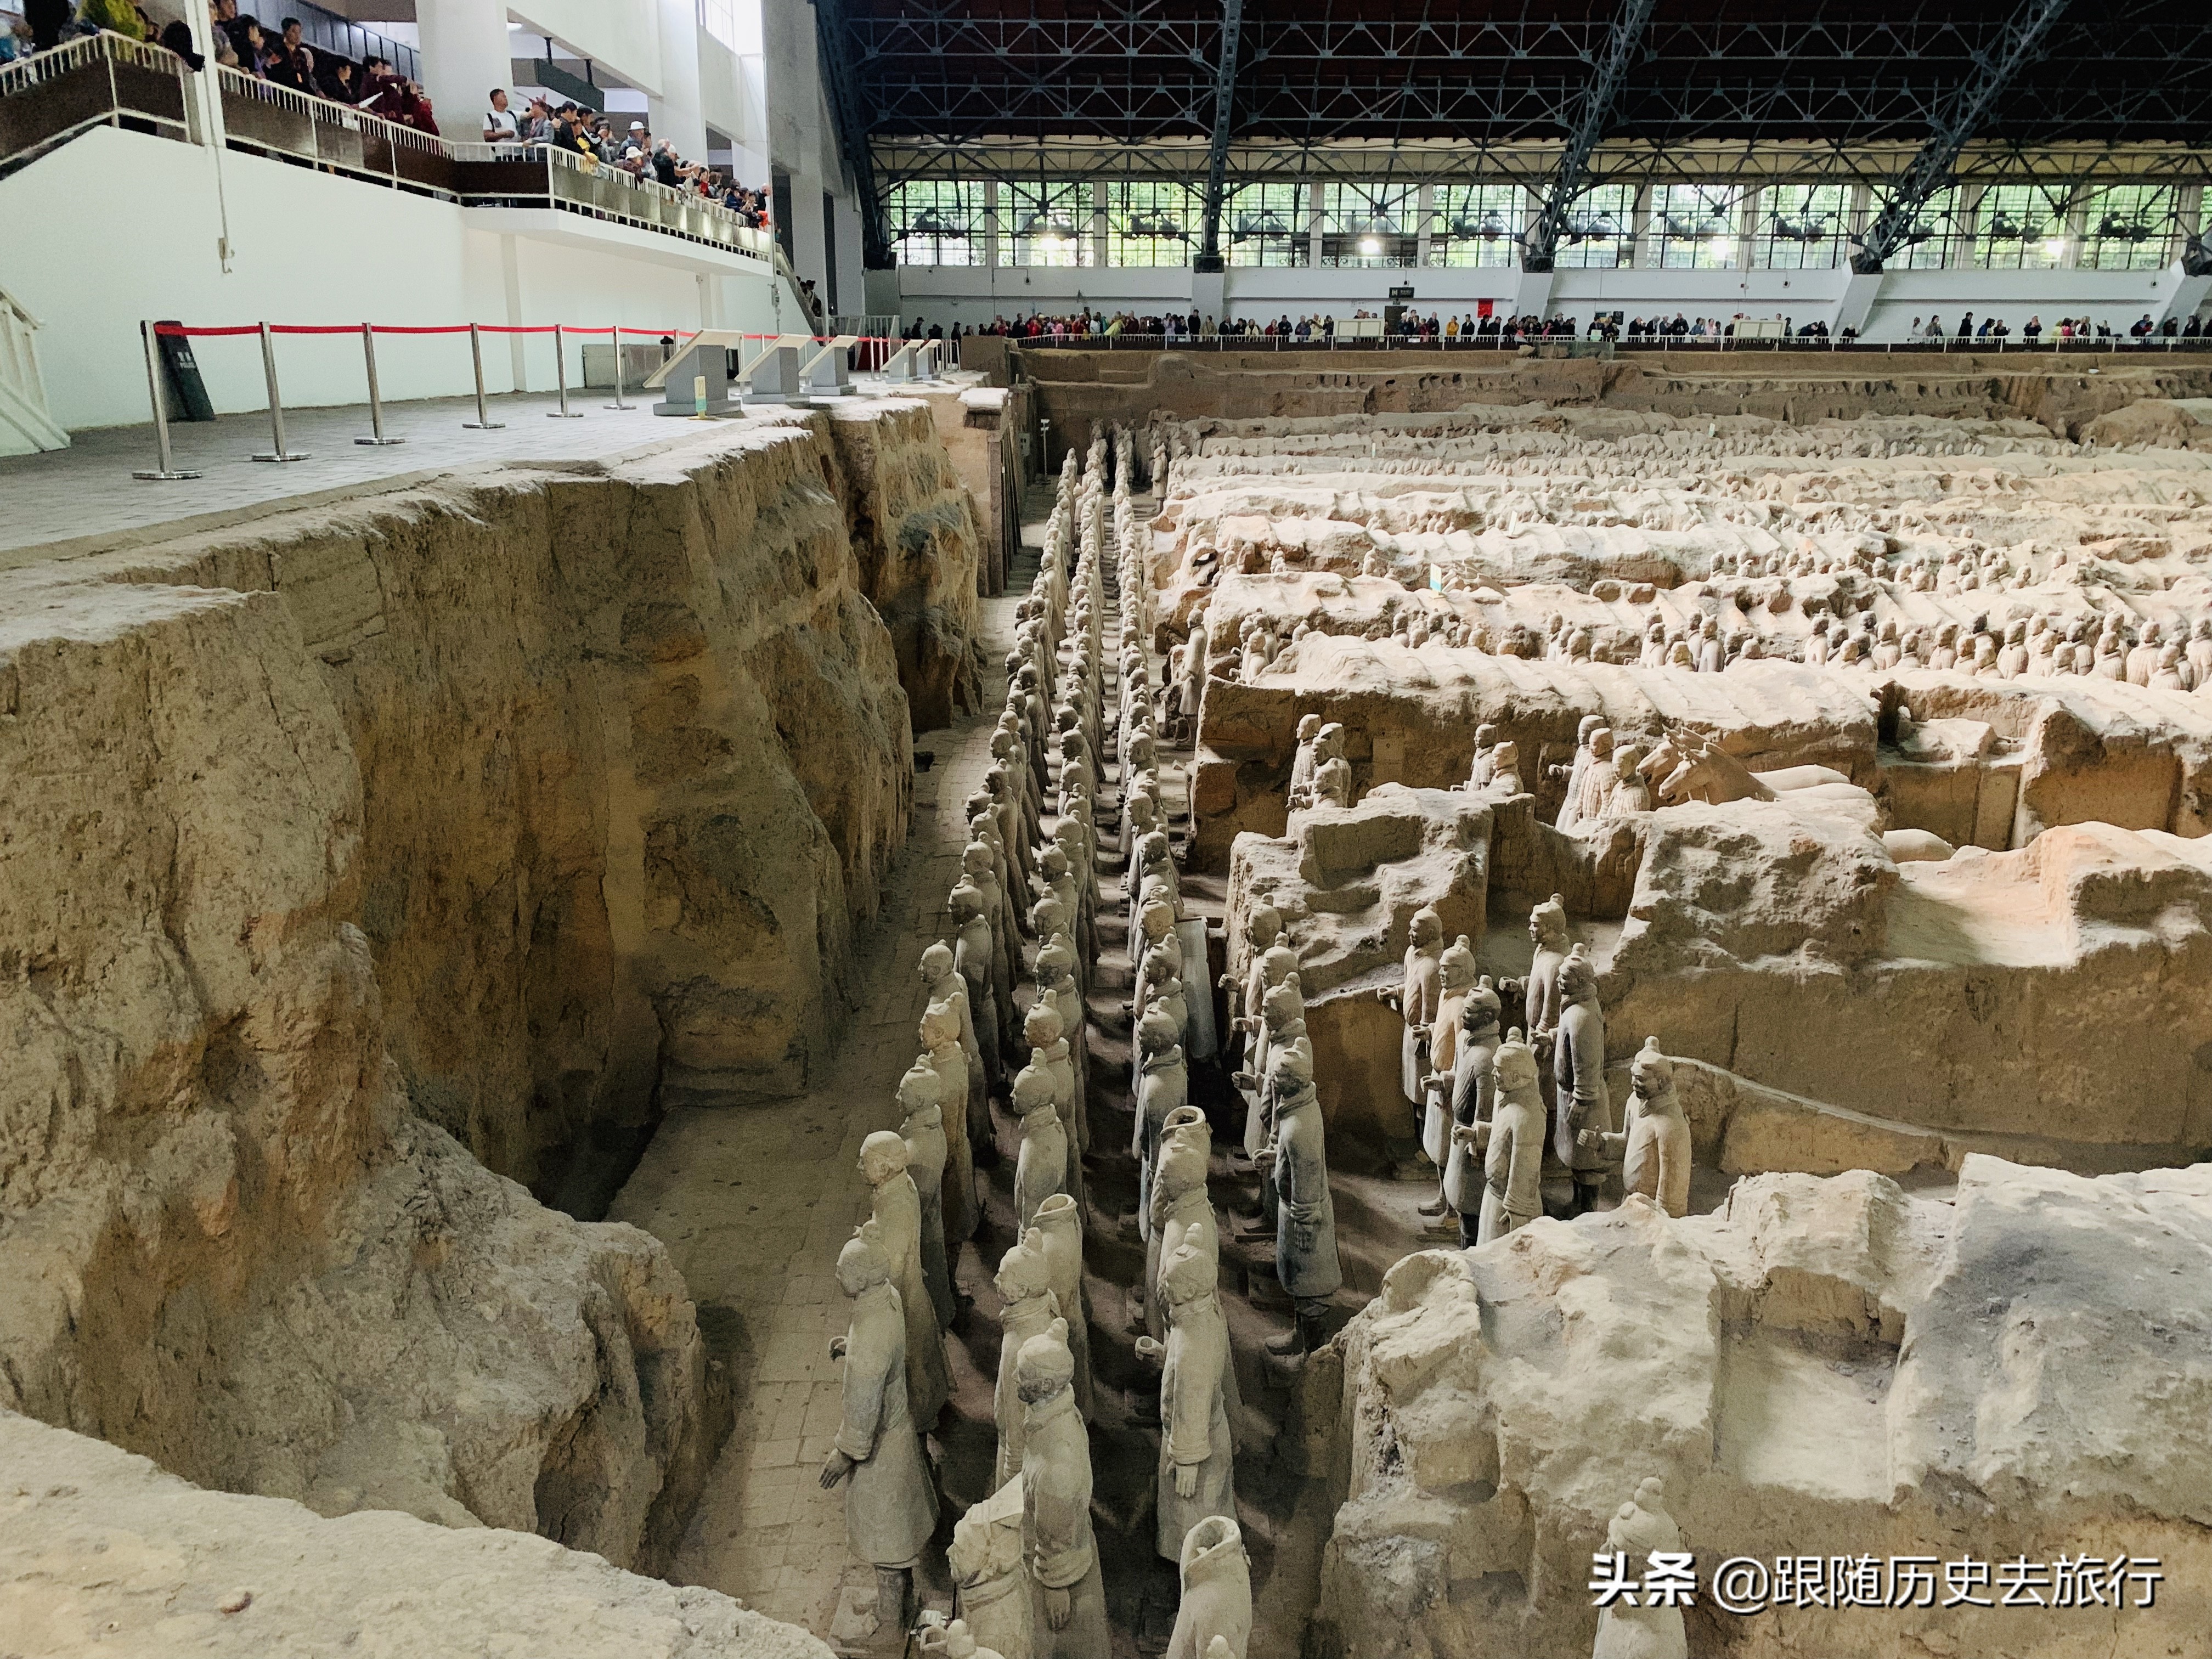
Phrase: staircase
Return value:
(25, 427)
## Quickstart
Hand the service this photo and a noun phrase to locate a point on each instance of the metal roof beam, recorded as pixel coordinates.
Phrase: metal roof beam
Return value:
(1540, 242)
(1964, 113)
(1208, 256)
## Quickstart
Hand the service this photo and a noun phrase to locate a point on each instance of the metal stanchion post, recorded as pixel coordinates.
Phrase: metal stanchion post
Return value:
(561, 380)
(616, 333)
(483, 422)
(376, 398)
(166, 470)
(282, 452)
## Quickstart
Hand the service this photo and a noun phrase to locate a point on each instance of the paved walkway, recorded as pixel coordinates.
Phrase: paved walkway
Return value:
(83, 499)
(755, 1202)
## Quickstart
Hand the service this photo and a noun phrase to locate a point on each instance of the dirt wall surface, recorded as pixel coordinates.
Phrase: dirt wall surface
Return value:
(105, 1555)
(1086, 392)
(920, 533)
(1825, 1368)
(494, 813)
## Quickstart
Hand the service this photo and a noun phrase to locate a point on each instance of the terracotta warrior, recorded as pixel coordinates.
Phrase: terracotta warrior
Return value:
(1473, 1095)
(1654, 1143)
(1060, 1224)
(983, 967)
(1182, 1212)
(1055, 985)
(990, 1575)
(1303, 762)
(1197, 1471)
(890, 1504)
(1050, 1052)
(1570, 811)
(1456, 977)
(1415, 999)
(1332, 784)
(897, 1219)
(1504, 771)
(1069, 1616)
(1024, 1282)
(1484, 761)
(973, 951)
(923, 1131)
(939, 1032)
(1162, 1083)
(1041, 1169)
(1638, 1528)
(1305, 1237)
(1513, 1162)
(1547, 931)
(941, 974)
(1214, 1619)
(1579, 1077)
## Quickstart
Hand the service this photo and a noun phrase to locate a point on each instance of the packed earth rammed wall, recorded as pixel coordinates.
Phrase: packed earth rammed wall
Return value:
(482, 816)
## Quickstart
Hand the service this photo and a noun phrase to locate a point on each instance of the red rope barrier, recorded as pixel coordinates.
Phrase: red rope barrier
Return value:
(681, 335)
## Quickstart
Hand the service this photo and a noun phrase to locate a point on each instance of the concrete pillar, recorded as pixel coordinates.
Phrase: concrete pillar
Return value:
(1532, 298)
(2185, 296)
(465, 55)
(1858, 302)
(2188, 219)
(1748, 208)
(1099, 232)
(1965, 228)
(2077, 227)
(510, 270)
(1643, 255)
(990, 224)
(1424, 221)
(1313, 226)
(675, 110)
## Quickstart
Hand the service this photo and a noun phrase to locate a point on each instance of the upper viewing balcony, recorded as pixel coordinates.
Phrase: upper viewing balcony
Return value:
(105, 80)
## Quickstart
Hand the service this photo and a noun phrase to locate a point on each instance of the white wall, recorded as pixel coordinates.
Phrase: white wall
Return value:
(310, 247)
(975, 294)
(622, 34)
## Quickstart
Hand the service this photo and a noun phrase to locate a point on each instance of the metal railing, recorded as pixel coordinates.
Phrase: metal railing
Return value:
(95, 81)
(1581, 343)
(23, 412)
(106, 80)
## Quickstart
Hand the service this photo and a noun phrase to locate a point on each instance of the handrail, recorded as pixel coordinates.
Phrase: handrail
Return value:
(107, 46)
(263, 117)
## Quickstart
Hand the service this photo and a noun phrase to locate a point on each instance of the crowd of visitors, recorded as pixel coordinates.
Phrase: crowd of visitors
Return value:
(281, 58)
(1933, 330)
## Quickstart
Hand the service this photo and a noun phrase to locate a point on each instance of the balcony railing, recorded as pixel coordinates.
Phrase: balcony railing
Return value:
(106, 80)
(96, 81)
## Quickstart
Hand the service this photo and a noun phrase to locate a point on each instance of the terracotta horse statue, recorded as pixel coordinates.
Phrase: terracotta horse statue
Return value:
(1688, 766)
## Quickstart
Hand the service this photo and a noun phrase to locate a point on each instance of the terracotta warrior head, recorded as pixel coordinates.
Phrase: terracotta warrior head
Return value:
(1033, 1091)
(1023, 1271)
(882, 1155)
(1577, 977)
(860, 1264)
(1043, 1025)
(918, 1089)
(1456, 966)
(1263, 926)
(1482, 1009)
(1514, 1065)
(936, 963)
(1427, 926)
(1651, 1074)
(1044, 1367)
(1547, 922)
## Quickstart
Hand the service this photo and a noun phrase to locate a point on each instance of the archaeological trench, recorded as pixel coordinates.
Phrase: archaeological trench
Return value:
(1356, 1014)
